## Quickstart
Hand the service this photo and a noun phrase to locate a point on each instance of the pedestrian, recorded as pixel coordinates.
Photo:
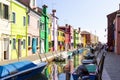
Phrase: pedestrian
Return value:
(92, 49)
(60, 47)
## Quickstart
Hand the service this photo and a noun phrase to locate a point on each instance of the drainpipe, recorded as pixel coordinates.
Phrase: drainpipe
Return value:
(27, 12)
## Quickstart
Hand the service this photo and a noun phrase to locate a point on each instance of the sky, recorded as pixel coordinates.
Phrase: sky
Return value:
(89, 15)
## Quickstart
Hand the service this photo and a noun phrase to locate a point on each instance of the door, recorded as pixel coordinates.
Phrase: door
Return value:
(19, 47)
(42, 46)
(34, 46)
(6, 48)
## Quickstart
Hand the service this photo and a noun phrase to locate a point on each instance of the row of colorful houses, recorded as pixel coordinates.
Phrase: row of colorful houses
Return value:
(26, 29)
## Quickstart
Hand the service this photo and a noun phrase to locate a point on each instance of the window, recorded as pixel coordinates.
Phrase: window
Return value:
(59, 42)
(23, 43)
(58, 33)
(14, 43)
(5, 11)
(38, 24)
(28, 40)
(28, 19)
(63, 34)
(48, 30)
(24, 21)
(42, 26)
(36, 41)
(13, 17)
(52, 44)
(0, 10)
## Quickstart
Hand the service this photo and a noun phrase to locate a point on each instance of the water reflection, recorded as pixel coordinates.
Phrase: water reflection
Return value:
(62, 70)
(53, 70)
(39, 76)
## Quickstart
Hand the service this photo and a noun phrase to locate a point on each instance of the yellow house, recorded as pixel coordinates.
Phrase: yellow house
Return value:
(18, 30)
(50, 33)
(61, 40)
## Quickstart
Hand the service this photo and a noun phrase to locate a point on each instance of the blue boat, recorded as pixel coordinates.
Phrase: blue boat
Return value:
(85, 72)
(21, 70)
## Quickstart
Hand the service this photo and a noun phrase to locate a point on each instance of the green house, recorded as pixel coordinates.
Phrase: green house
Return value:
(44, 30)
(76, 38)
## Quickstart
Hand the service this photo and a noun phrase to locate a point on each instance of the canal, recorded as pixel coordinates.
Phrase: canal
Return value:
(61, 70)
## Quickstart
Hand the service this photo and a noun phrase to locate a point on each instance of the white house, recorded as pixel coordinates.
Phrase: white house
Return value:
(5, 30)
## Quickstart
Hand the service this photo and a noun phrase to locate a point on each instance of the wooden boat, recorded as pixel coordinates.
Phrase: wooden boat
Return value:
(20, 70)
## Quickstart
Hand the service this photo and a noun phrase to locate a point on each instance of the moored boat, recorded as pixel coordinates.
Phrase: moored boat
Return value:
(20, 70)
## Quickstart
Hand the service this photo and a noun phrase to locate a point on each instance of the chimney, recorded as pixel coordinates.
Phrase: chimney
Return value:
(79, 29)
(44, 6)
(53, 11)
(44, 9)
(33, 4)
(66, 25)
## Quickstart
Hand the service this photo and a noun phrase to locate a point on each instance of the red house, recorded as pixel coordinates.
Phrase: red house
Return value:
(113, 39)
(66, 29)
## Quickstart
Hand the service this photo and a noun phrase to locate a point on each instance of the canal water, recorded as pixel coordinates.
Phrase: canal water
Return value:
(62, 70)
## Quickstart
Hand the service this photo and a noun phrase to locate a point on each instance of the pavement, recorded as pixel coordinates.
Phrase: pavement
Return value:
(111, 69)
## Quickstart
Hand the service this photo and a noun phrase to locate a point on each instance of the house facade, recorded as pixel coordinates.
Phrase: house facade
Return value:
(50, 36)
(18, 30)
(110, 30)
(117, 33)
(5, 30)
(76, 38)
(44, 20)
(54, 30)
(71, 37)
(61, 40)
(86, 39)
(114, 31)
(33, 32)
(66, 30)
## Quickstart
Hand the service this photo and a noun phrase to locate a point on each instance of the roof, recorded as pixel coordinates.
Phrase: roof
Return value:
(84, 32)
(112, 13)
(25, 2)
(39, 9)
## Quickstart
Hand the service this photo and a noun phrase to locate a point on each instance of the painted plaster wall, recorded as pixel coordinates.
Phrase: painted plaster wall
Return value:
(55, 33)
(117, 35)
(18, 31)
(4, 31)
(33, 29)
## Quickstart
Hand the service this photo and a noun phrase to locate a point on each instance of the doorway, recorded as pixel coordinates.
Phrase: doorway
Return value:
(6, 48)
(19, 47)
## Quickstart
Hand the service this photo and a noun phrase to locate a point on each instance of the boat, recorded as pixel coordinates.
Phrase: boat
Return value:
(21, 70)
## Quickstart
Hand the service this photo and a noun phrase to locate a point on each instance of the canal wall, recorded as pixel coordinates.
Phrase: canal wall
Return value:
(36, 58)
